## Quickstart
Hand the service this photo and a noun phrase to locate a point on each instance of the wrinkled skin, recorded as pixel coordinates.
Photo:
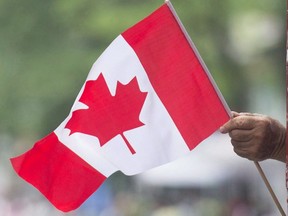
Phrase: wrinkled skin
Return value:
(256, 137)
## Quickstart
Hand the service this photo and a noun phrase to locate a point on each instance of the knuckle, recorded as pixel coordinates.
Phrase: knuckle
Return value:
(256, 155)
(264, 122)
(232, 133)
(258, 136)
(241, 136)
(234, 143)
(240, 153)
(240, 122)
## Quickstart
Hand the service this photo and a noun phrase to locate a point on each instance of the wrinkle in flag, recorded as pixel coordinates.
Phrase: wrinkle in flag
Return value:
(148, 100)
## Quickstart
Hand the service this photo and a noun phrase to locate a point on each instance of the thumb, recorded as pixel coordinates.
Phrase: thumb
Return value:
(234, 114)
(226, 127)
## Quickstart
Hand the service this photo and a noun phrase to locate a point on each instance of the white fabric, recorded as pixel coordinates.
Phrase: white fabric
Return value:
(155, 143)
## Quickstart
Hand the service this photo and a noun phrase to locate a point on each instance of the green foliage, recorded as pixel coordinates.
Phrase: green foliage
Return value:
(48, 47)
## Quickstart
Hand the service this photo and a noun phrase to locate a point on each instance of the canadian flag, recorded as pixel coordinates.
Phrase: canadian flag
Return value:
(147, 100)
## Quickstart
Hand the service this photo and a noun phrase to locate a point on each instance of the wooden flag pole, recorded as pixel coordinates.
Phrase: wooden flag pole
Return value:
(276, 201)
(224, 103)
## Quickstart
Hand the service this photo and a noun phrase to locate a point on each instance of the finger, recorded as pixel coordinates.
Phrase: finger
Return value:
(245, 114)
(241, 135)
(242, 145)
(243, 153)
(243, 122)
(250, 114)
(225, 128)
(243, 150)
(239, 122)
(249, 155)
(247, 150)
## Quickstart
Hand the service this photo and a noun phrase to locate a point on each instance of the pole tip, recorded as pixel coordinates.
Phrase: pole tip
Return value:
(166, 1)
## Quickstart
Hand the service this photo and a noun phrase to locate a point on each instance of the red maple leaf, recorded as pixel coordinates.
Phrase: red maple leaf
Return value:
(107, 115)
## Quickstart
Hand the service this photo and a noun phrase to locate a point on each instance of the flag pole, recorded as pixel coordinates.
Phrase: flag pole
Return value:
(193, 47)
(169, 4)
(276, 201)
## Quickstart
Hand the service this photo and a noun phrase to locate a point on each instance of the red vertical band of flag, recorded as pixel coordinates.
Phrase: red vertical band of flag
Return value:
(178, 76)
(63, 177)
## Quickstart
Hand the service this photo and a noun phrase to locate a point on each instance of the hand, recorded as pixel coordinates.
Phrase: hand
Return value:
(256, 137)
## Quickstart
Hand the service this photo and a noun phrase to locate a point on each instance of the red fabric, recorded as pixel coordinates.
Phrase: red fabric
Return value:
(64, 178)
(104, 119)
(177, 76)
(181, 84)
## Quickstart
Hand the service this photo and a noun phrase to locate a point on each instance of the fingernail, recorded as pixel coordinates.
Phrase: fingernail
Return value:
(221, 129)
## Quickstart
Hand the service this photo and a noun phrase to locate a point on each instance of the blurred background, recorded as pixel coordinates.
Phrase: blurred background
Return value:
(46, 51)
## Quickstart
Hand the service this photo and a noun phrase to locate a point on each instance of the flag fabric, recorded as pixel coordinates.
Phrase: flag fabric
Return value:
(147, 100)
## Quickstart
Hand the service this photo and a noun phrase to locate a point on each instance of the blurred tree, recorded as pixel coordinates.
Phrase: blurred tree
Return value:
(48, 47)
